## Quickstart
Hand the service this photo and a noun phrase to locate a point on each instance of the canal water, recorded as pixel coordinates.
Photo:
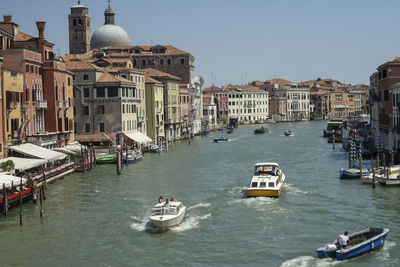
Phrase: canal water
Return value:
(101, 219)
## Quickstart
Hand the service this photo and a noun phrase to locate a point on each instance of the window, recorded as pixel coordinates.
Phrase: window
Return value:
(182, 61)
(134, 62)
(169, 61)
(75, 125)
(86, 92)
(79, 22)
(101, 92)
(102, 127)
(74, 111)
(271, 184)
(254, 184)
(32, 70)
(113, 92)
(74, 22)
(161, 61)
(87, 127)
(263, 184)
(143, 62)
(26, 68)
(86, 110)
(85, 77)
(69, 81)
(101, 109)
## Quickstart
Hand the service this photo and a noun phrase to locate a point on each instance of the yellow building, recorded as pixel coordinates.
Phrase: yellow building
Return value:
(154, 107)
(13, 88)
(342, 104)
(172, 116)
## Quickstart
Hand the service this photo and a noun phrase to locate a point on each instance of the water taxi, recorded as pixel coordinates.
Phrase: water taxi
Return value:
(167, 215)
(268, 181)
(288, 133)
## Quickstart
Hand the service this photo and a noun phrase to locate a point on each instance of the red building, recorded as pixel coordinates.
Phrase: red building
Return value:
(221, 94)
(1, 116)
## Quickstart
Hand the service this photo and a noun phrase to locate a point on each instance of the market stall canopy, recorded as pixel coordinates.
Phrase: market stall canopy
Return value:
(35, 151)
(8, 180)
(138, 137)
(23, 164)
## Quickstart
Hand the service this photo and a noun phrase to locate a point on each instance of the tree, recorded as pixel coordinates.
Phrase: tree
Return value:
(8, 165)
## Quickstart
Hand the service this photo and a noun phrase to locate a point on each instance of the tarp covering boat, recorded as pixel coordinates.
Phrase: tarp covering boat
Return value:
(8, 180)
(138, 137)
(35, 151)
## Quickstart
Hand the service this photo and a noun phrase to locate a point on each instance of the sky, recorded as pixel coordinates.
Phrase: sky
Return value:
(238, 41)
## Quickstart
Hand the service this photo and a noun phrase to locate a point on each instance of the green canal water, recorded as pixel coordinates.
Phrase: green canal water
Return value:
(100, 219)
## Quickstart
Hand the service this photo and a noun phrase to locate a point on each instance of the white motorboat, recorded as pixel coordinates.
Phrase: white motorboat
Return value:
(382, 178)
(164, 216)
(268, 181)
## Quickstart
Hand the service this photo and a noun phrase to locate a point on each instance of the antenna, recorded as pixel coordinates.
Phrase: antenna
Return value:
(109, 2)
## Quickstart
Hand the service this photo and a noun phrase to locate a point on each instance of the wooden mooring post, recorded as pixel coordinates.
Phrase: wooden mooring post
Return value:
(373, 178)
(361, 167)
(5, 200)
(126, 156)
(41, 200)
(384, 163)
(333, 140)
(20, 202)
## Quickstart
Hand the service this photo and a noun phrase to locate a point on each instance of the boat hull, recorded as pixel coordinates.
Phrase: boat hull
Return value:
(353, 174)
(263, 193)
(132, 160)
(163, 222)
(105, 160)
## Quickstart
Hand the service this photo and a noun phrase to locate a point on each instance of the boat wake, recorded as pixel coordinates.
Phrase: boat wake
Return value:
(384, 254)
(291, 188)
(200, 205)
(140, 224)
(190, 222)
(306, 261)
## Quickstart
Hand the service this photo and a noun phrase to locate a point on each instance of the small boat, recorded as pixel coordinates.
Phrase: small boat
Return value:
(229, 130)
(133, 156)
(205, 131)
(268, 181)
(164, 216)
(154, 149)
(353, 173)
(12, 185)
(261, 130)
(359, 243)
(388, 180)
(288, 133)
(221, 139)
(109, 158)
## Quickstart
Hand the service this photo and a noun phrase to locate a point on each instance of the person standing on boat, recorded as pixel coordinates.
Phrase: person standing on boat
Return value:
(160, 199)
(274, 171)
(343, 239)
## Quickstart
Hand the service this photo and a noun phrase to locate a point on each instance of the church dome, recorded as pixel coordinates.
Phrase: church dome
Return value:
(109, 35)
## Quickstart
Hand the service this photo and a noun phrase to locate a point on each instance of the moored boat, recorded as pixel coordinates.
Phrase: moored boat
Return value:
(288, 133)
(109, 158)
(164, 216)
(133, 156)
(353, 173)
(268, 181)
(156, 149)
(359, 243)
(12, 185)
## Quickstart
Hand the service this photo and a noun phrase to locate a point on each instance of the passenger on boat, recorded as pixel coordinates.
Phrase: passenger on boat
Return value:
(160, 199)
(167, 205)
(172, 199)
(343, 239)
(274, 171)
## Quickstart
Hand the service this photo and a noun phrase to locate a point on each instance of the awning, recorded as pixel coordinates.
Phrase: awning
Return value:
(7, 180)
(35, 151)
(138, 137)
(75, 147)
(64, 150)
(23, 164)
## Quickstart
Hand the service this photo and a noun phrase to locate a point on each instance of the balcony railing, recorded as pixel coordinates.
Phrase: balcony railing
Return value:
(41, 104)
(59, 104)
(66, 104)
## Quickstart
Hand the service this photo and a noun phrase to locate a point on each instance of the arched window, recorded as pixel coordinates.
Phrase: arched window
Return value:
(79, 22)
(74, 22)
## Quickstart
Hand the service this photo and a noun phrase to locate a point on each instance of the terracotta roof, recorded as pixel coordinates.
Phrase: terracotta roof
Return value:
(108, 78)
(89, 55)
(148, 79)
(21, 37)
(245, 88)
(159, 74)
(279, 81)
(212, 89)
(94, 137)
(80, 65)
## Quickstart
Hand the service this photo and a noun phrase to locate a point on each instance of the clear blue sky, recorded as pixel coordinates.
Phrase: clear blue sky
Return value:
(236, 41)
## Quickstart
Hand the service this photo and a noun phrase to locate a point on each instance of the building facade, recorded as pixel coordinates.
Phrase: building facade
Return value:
(155, 108)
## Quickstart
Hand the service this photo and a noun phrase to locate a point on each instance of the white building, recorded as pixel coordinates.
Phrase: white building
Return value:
(247, 104)
(298, 102)
(210, 111)
(196, 98)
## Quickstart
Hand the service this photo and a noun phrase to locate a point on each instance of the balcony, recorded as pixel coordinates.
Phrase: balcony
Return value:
(66, 104)
(59, 104)
(41, 104)
(141, 119)
(25, 106)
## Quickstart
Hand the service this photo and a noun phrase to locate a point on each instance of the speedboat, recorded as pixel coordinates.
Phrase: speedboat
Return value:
(221, 139)
(133, 156)
(382, 177)
(109, 158)
(268, 181)
(164, 216)
(359, 243)
(288, 133)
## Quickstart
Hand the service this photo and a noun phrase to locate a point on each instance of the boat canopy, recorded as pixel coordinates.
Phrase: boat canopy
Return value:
(267, 164)
(8, 180)
(138, 137)
(22, 164)
(35, 151)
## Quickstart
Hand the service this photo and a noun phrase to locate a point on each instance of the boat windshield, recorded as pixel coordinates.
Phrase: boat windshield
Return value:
(264, 170)
(165, 211)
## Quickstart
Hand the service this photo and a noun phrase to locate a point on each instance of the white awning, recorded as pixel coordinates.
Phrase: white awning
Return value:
(138, 137)
(7, 180)
(23, 164)
(35, 151)
(75, 147)
(64, 150)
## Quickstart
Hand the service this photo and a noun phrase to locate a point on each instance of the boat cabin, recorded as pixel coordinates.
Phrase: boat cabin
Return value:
(172, 209)
(264, 169)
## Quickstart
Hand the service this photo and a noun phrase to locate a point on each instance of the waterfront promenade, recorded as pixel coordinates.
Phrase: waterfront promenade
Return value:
(100, 219)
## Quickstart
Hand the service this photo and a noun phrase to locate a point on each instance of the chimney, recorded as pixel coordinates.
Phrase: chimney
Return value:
(40, 26)
(7, 18)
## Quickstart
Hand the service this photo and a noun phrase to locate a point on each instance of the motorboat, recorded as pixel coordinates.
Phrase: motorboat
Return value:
(12, 185)
(107, 158)
(353, 173)
(389, 177)
(164, 216)
(288, 133)
(221, 139)
(334, 127)
(156, 149)
(261, 130)
(268, 180)
(359, 243)
(229, 130)
(133, 156)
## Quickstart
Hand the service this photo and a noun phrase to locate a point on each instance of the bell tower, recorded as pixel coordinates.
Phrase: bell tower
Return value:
(79, 29)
